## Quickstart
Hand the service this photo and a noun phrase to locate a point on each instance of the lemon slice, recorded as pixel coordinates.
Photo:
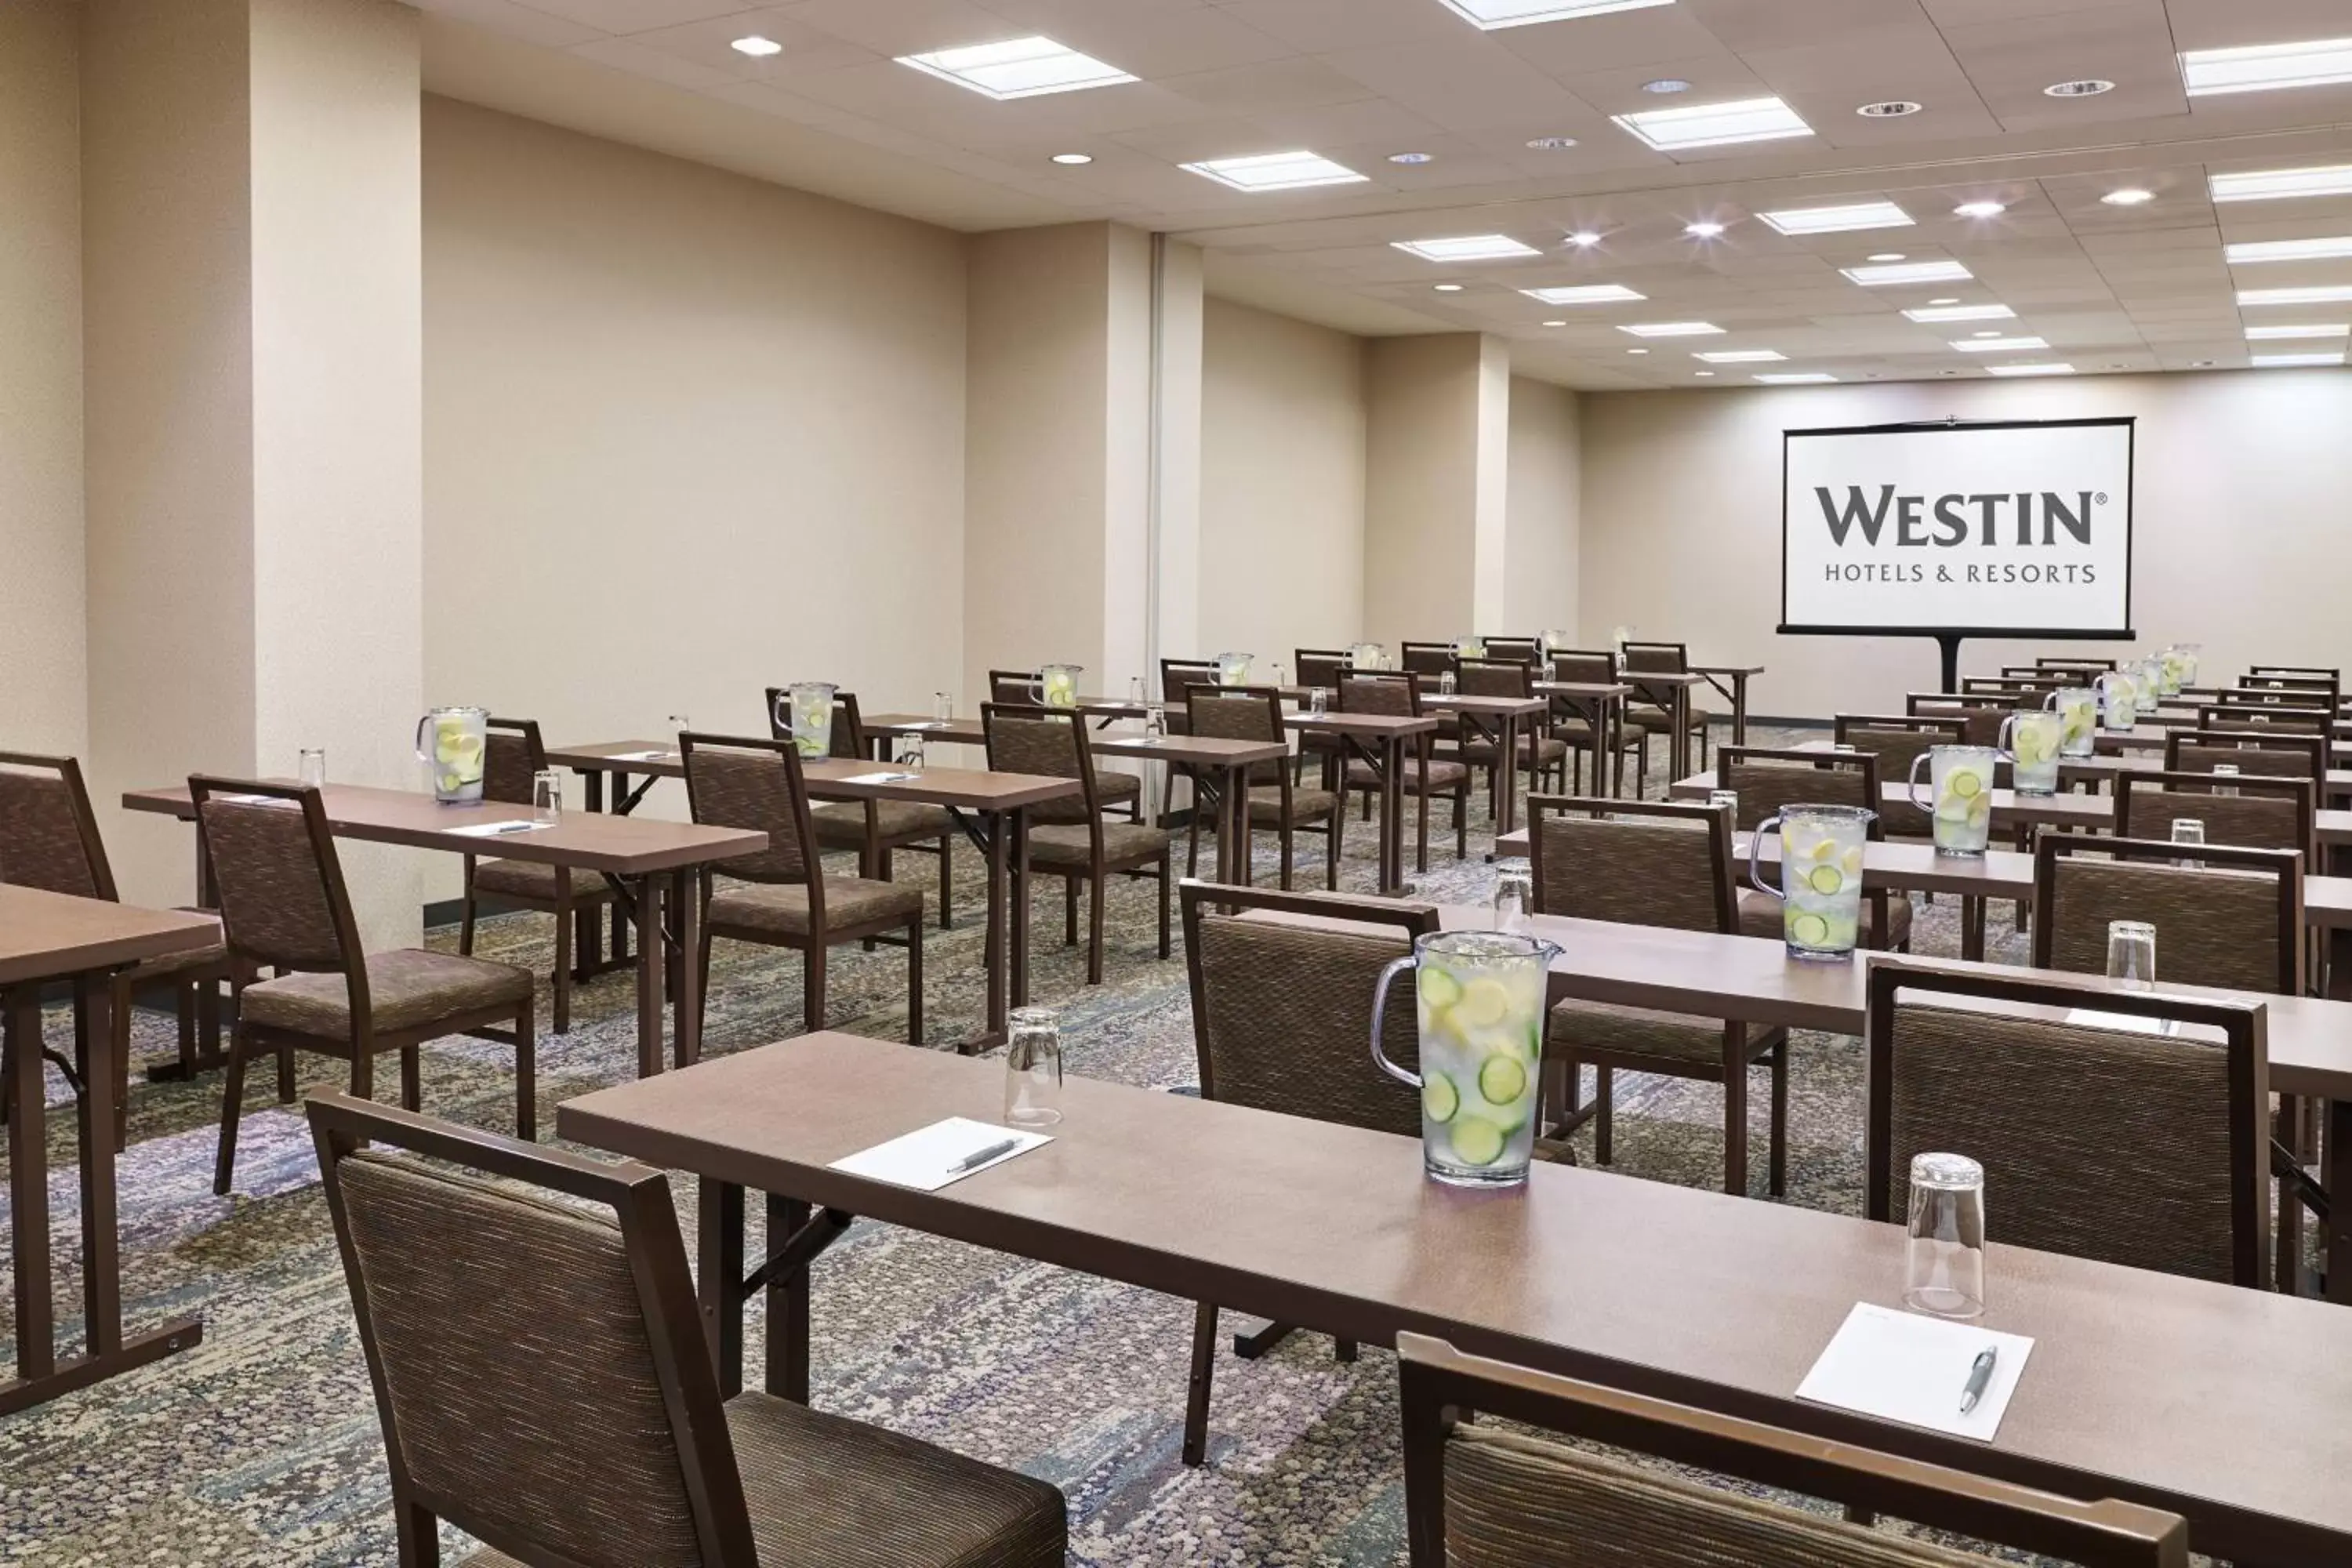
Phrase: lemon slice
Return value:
(1853, 862)
(1483, 1002)
(1825, 879)
(1806, 930)
(1825, 849)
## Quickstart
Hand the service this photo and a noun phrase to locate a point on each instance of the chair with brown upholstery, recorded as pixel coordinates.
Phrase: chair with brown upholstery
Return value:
(1540, 756)
(2260, 716)
(2249, 751)
(2154, 1154)
(2068, 663)
(1573, 727)
(1897, 741)
(781, 897)
(1427, 659)
(283, 907)
(1069, 838)
(1514, 650)
(1651, 706)
(1768, 781)
(543, 1381)
(2232, 920)
(1326, 668)
(1982, 711)
(1177, 676)
(49, 840)
(2258, 813)
(1651, 863)
(1496, 1495)
(1397, 694)
(512, 757)
(1255, 714)
(875, 829)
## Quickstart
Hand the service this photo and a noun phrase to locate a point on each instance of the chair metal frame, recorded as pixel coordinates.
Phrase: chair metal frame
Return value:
(574, 891)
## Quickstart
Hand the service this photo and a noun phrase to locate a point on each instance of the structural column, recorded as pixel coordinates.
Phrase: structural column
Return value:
(1437, 456)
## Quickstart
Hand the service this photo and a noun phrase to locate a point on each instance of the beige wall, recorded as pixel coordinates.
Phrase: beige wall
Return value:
(1542, 535)
(1421, 489)
(2238, 536)
(1282, 485)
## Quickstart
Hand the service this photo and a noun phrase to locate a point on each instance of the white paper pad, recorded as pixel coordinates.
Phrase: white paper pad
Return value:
(1908, 1367)
(1141, 740)
(881, 778)
(640, 756)
(2093, 1019)
(259, 799)
(499, 829)
(924, 724)
(920, 1159)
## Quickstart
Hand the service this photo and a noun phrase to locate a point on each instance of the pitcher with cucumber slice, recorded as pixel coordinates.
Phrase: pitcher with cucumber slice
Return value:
(1961, 777)
(2029, 738)
(452, 742)
(1480, 997)
(1821, 849)
(2077, 708)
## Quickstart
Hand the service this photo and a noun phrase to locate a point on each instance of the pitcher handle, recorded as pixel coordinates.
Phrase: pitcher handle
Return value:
(784, 713)
(1037, 691)
(421, 754)
(1380, 1022)
(1913, 792)
(1770, 824)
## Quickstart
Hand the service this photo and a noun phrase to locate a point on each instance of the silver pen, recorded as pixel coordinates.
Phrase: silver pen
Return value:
(1979, 1374)
(972, 1162)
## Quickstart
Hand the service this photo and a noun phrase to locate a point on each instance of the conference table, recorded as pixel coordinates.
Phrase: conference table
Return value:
(47, 938)
(650, 864)
(1602, 705)
(1380, 741)
(1739, 675)
(2225, 1404)
(1497, 720)
(1001, 802)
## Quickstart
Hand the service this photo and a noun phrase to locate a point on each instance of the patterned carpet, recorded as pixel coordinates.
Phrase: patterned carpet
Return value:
(261, 1446)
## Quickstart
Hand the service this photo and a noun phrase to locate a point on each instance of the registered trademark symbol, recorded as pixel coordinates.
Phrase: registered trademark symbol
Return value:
(2101, 498)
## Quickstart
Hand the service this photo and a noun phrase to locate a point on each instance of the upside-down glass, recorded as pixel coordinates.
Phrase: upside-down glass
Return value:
(2118, 700)
(2225, 769)
(1318, 700)
(811, 720)
(944, 706)
(1480, 1005)
(2131, 955)
(1822, 850)
(912, 752)
(2077, 708)
(2189, 830)
(1725, 800)
(1961, 780)
(1944, 1265)
(311, 767)
(1155, 718)
(1033, 1067)
(547, 795)
(2030, 737)
(1445, 683)
(1515, 895)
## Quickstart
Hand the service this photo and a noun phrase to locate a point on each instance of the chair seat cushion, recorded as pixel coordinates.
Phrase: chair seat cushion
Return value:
(210, 959)
(1675, 1039)
(1439, 778)
(1543, 749)
(783, 908)
(408, 989)
(1124, 844)
(821, 1488)
(535, 880)
(843, 827)
(1306, 806)
(1759, 915)
(1656, 719)
(1111, 788)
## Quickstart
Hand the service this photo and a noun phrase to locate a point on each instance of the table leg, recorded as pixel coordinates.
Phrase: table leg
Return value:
(2339, 1166)
(208, 1053)
(1739, 709)
(650, 967)
(1391, 816)
(1018, 958)
(100, 1243)
(588, 919)
(1615, 730)
(1972, 929)
(684, 890)
(999, 939)
(1233, 844)
(619, 954)
(1506, 780)
(788, 1308)
(28, 1180)
(718, 1288)
(1679, 708)
(2339, 963)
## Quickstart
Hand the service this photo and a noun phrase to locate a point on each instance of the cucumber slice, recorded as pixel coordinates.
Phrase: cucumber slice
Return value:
(1808, 930)
(1825, 879)
(1477, 1142)
(1439, 989)
(1439, 1099)
(1483, 1002)
(1502, 1079)
(1967, 785)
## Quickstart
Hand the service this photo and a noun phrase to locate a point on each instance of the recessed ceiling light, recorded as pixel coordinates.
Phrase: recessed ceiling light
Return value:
(1447, 288)
(756, 47)
(1980, 209)
(1740, 356)
(1838, 219)
(2030, 369)
(1411, 157)
(1987, 333)
(1703, 373)
(1797, 378)
(1703, 229)
(1714, 124)
(1017, 68)
(2324, 294)
(1982, 346)
(1947, 300)
(1274, 171)
(2281, 362)
(1671, 328)
(2338, 329)
(1492, 14)
(1582, 294)
(2287, 250)
(1552, 143)
(2270, 185)
(1892, 109)
(1637, 350)
(2129, 197)
(1466, 247)
(1584, 238)
(2200, 364)
(2266, 67)
(1948, 311)
(1073, 158)
(1903, 272)
(1886, 256)
(2088, 87)
(1666, 84)
(1555, 323)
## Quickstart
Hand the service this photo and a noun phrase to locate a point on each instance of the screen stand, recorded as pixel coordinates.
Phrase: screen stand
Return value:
(1949, 642)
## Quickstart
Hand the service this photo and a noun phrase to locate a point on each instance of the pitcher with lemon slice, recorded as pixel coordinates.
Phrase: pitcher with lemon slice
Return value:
(1822, 850)
(454, 751)
(2077, 708)
(2030, 737)
(1480, 997)
(2118, 700)
(1961, 778)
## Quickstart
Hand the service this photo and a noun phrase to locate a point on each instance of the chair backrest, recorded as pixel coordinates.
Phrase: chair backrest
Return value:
(1239, 713)
(48, 835)
(753, 783)
(1431, 659)
(1490, 1496)
(2155, 1155)
(1897, 741)
(1321, 665)
(1023, 738)
(1177, 675)
(1517, 650)
(845, 738)
(2265, 715)
(1014, 685)
(1981, 713)
(2233, 919)
(2072, 661)
(2258, 813)
(2310, 684)
(1636, 862)
(1282, 1010)
(1493, 677)
(539, 1368)
(2021, 685)
(2248, 751)
(1770, 778)
(512, 757)
(1584, 667)
(273, 862)
(1396, 693)
(1660, 657)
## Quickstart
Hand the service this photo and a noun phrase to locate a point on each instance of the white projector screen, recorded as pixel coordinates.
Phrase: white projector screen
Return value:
(1993, 530)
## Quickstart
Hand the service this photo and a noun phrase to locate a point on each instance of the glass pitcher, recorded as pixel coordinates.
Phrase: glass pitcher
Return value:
(1470, 647)
(1232, 668)
(1553, 641)
(2171, 664)
(2147, 679)
(1821, 876)
(458, 736)
(1481, 1007)
(2077, 708)
(1056, 685)
(2189, 652)
(1961, 777)
(1366, 655)
(2118, 700)
(809, 716)
(2030, 737)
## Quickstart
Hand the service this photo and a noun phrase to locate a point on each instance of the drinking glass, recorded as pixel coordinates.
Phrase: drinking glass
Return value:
(1281, 677)
(1155, 718)
(1445, 683)
(547, 795)
(944, 706)
(2225, 769)
(2189, 830)
(1944, 1264)
(1725, 800)
(1033, 1069)
(912, 753)
(1319, 701)
(1134, 690)
(312, 768)
(2131, 955)
(1515, 895)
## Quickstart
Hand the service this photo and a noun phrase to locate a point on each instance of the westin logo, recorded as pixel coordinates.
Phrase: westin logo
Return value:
(1954, 518)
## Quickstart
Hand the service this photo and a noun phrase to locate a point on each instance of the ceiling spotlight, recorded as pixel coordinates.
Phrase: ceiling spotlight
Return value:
(1703, 229)
(1583, 236)
(1411, 157)
(1980, 209)
(2129, 197)
(1666, 84)
(1447, 288)
(2089, 87)
(1889, 255)
(1893, 109)
(757, 48)
(1074, 159)
(1550, 143)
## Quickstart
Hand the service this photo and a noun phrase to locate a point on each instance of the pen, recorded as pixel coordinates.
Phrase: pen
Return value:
(1979, 1374)
(974, 1160)
(514, 828)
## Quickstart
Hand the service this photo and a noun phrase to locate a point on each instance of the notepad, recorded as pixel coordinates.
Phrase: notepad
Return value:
(498, 830)
(922, 1159)
(2092, 1018)
(1909, 1367)
(1142, 740)
(640, 756)
(881, 778)
(259, 799)
(924, 724)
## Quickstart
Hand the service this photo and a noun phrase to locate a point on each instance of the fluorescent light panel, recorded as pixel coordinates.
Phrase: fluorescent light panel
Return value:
(2324, 294)
(1492, 14)
(1741, 356)
(1017, 68)
(2260, 334)
(1797, 378)
(2272, 184)
(1838, 220)
(2283, 362)
(1672, 328)
(1902, 272)
(1998, 345)
(1714, 124)
(1583, 294)
(2265, 67)
(1962, 313)
(1466, 247)
(2031, 369)
(1274, 171)
(2327, 250)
